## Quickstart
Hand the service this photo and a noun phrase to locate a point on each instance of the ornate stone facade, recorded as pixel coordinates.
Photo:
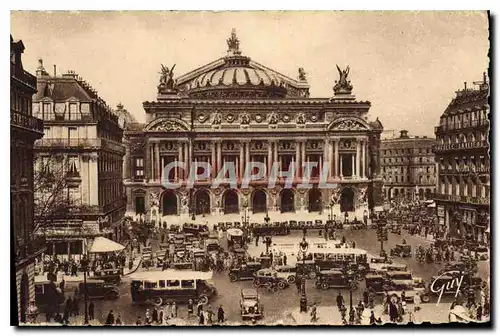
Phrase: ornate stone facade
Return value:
(232, 120)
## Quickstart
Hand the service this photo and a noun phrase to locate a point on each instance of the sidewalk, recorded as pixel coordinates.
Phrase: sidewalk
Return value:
(331, 315)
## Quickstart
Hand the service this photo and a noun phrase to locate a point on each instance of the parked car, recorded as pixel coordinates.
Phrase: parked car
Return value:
(403, 278)
(410, 292)
(98, 289)
(332, 279)
(287, 272)
(267, 276)
(250, 305)
(244, 272)
(481, 252)
(47, 294)
(401, 250)
(377, 283)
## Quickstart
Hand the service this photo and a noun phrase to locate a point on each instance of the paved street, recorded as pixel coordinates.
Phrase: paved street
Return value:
(229, 293)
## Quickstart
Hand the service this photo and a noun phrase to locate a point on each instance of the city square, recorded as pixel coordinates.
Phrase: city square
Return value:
(236, 196)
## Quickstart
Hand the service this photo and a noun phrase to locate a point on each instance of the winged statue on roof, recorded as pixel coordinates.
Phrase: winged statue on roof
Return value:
(167, 77)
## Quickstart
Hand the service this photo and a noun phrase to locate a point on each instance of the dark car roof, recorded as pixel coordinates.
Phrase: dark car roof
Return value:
(248, 292)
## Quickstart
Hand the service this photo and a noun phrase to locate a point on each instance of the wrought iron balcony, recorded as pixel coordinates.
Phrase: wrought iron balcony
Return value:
(480, 144)
(461, 125)
(463, 199)
(68, 143)
(25, 121)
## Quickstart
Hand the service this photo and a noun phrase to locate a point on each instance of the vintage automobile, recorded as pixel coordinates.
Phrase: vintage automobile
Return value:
(194, 229)
(158, 287)
(481, 252)
(409, 292)
(177, 240)
(211, 245)
(244, 272)
(108, 275)
(332, 279)
(266, 277)
(250, 305)
(47, 294)
(401, 250)
(377, 283)
(98, 289)
(182, 266)
(403, 278)
(287, 272)
(235, 239)
(308, 267)
(240, 253)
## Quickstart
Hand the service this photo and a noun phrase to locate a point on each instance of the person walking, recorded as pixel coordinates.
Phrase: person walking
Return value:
(416, 302)
(91, 310)
(138, 321)
(190, 308)
(340, 301)
(119, 321)
(373, 320)
(174, 310)
(168, 311)
(155, 315)
(201, 316)
(110, 320)
(76, 306)
(199, 308)
(220, 314)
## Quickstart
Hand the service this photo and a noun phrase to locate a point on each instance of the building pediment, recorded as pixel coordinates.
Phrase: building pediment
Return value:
(348, 124)
(167, 125)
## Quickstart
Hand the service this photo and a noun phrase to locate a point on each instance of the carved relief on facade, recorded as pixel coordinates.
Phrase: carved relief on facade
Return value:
(230, 118)
(273, 118)
(362, 195)
(245, 118)
(286, 118)
(202, 117)
(259, 118)
(167, 126)
(349, 125)
(217, 118)
(301, 119)
(335, 195)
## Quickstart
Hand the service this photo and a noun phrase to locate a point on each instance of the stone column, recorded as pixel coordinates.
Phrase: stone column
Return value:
(303, 159)
(340, 166)
(185, 146)
(190, 145)
(147, 161)
(338, 172)
(180, 159)
(326, 157)
(276, 158)
(212, 159)
(363, 156)
(269, 156)
(247, 152)
(353, 165)
(297, 157)
(241, 162)
(218, 149)
(358, 157)
(158, 161)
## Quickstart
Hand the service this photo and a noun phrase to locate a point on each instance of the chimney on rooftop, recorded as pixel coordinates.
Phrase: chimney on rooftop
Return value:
(403, 134)
(465, 86)
(55, 70)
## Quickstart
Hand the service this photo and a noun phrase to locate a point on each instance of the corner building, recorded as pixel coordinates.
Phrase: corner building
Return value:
(82, 149)
(235, 110)
(25, 129)
(463, 161)
(408, 167)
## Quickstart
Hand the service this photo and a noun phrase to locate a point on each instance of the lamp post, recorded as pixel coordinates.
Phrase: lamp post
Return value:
(85, 267)
(268, 241)
(331, 210)
(352, 287)
(304, 245)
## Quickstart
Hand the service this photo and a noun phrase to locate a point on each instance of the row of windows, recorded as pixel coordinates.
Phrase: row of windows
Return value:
(402, 170)
(461, 138)
(423, 159)
(402, 151)
(20, 103)
(427, 179)
(110, 163)
(464, 117)
(462, 162)
(464, 189)
(110, 190)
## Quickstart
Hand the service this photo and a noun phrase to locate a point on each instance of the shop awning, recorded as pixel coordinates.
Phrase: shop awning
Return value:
(103, 245)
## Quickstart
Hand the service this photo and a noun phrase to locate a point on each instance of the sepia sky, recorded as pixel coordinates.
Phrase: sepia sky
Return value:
(408, 64)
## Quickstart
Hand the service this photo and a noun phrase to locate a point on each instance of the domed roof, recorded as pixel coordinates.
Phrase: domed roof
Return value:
(235, 75)
(238, 77)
